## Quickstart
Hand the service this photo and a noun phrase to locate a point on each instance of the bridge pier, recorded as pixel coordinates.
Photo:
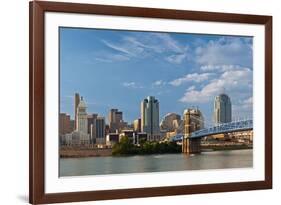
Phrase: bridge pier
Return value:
(191, 145)
(185, 145)
(192, 122)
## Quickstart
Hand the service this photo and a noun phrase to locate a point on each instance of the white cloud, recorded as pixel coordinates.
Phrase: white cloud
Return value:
(176, 59)
(219, 68)
(169, 43)
(158, 83)
(109, 58)
(191, 88)
(158, 45)
(179, 52)
(126, 48)
(226, 50)
(236, 81)
(195, 77)
(143, 43)
(131, 85)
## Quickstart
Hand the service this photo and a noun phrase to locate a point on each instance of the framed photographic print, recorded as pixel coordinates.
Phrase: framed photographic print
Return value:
(138, 102)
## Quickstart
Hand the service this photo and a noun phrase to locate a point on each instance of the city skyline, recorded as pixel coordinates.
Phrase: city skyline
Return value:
(180, 70)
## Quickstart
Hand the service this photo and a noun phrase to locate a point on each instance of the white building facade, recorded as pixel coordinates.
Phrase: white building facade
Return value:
(82, 122)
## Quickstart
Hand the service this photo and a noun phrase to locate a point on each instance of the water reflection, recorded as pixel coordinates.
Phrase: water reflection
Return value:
(155, 163)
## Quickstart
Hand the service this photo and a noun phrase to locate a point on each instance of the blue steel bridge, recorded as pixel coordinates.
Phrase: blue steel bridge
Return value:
(235, 126)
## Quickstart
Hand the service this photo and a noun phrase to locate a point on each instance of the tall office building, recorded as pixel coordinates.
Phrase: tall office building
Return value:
(72, 125)
(82, 122)
(115, 118)
(76, 103)
(100, 130)
(150, 118)
(65, 125)
(80, 134)
(82, 117)
(114, 115)
(137, 125)
(92, 127)
(222, 109)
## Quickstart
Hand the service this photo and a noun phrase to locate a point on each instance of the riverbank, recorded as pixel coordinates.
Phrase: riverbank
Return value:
(149, 149)
(84, 152)
(211, 148)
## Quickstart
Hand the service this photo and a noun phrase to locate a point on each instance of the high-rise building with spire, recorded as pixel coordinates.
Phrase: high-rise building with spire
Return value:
(80, 135)
(82, 117)
(76, 103)
(82, 122)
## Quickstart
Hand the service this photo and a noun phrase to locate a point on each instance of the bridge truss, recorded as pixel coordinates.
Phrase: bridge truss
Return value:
(235, 126)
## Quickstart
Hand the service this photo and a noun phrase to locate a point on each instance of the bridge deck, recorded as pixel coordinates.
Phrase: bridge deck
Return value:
(219, 129)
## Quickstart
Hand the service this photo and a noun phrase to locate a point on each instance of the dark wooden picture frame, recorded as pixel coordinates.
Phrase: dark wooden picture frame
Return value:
(37, 193)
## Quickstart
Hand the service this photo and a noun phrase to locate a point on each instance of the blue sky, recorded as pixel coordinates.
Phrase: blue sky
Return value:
(118, 69)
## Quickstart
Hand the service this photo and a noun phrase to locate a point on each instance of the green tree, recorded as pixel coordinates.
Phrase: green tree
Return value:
(126, 147)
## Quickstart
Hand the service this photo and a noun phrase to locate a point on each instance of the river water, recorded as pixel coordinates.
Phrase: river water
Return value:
(155, 163)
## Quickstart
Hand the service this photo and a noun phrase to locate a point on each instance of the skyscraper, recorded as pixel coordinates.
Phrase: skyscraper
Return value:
(222, 109)
(92, 127)
(137, 125)
(76, 103)
(82, 122)
(115, 118)
(72, 125)
(150, 118)
(100, 130)
(64, 124)
(82, 117)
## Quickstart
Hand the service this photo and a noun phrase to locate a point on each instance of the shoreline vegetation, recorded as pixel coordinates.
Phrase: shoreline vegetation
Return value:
(126, 148)
(211, 148)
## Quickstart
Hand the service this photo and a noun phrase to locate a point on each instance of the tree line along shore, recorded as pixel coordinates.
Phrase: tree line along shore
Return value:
(125, 148)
